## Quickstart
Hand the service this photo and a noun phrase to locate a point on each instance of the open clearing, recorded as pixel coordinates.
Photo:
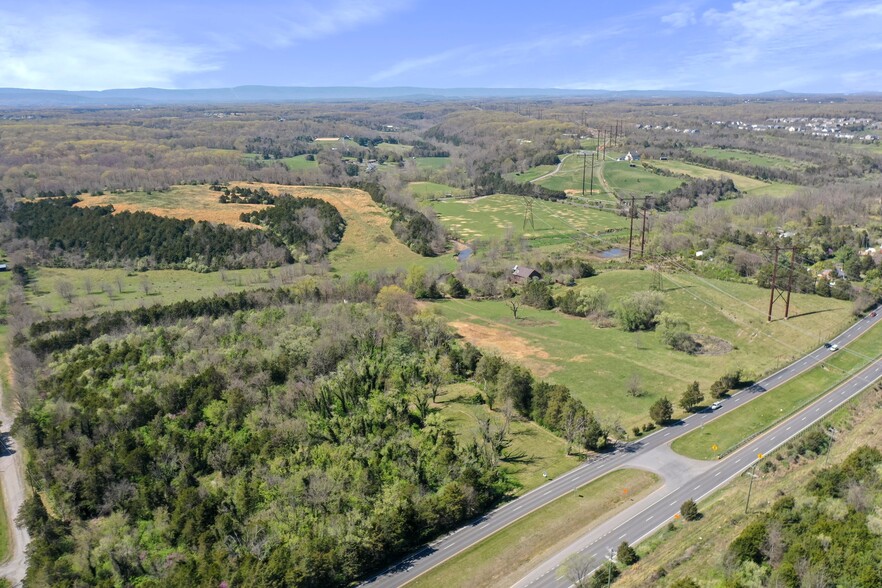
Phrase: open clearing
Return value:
(697, 549)
(433, 190)
(501, 214)
(431, 162)
(397, 148)
(761, 413)
(299, 162)
(763, 159)
(503, 558)
(196, 202)
(368, 243)
(530, 174)
(597, 363)
(637, 180)
(533, 449)
(750, 186)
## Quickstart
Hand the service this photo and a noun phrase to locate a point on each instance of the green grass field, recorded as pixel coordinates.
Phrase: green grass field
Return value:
(749, 186)
(495, 216)
(433, 190)
(299, 162)
(533, 450)
(569, 178)
(529, 175)
(398, 148)
(763, 159)
(621, 177)
(597, 363)
(431, 162)
(505, 557)
(731, 429)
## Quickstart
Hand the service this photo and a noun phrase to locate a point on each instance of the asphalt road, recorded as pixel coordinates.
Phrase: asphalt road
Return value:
(12, 478)
(641, 521)
(484, 526)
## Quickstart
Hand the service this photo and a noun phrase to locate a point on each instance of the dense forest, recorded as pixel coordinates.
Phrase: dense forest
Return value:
(294, 227)
(308, 227)
(268, 439)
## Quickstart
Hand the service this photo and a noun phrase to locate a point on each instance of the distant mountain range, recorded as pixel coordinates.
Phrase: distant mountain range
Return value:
(24, 98)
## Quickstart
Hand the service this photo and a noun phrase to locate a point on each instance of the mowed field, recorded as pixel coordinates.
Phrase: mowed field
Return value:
(625, 180)
(762, 159)
(368, 243)
(750, 186)
(431, 162)
(433, 190)
(597, 363)
(495, 216)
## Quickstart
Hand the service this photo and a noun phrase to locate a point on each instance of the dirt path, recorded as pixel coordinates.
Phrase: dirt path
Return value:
(555, 170)
(12, 479)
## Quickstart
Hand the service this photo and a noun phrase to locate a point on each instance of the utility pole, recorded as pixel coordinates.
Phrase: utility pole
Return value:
(776, 293)
(750, 487)
(643, 229)
(584, 163)
(631, 231)
(528, 212)
(592, 173)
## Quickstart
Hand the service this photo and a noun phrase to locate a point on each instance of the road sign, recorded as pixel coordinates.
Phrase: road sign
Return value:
(759, 455)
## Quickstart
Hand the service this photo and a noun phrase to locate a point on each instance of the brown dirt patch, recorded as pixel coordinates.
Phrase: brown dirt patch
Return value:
(508, 345)
(710, 345)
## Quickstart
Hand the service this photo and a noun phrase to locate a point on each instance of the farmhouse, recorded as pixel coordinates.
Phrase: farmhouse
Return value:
(521, 274)
(632, 156)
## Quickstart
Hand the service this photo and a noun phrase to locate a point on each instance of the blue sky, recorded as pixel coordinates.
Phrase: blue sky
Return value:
(745, 46)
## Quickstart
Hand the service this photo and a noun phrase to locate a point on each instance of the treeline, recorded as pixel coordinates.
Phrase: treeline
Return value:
(690, 193)
(55, 335)
(426, 149)
(833, 537)
(100, 235)
(494, 183)
(308, 227)
(243, 195)
(550, 405)
(415, 227)
(288, 446)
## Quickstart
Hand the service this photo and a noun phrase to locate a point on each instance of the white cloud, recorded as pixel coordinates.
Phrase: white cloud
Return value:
(61, 50)
(282, 26)
(680, 19)
(408, 65)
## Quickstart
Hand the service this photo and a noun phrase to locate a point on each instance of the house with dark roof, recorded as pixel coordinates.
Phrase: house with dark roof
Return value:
(632, 156)
(521, 274)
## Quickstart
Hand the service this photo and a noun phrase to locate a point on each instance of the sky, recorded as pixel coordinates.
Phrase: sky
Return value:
(747, 46)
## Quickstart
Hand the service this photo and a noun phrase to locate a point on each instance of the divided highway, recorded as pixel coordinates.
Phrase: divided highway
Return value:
(640, 521)
(482, 527)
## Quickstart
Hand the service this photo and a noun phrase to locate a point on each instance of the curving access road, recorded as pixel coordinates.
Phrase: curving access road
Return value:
(635, 454)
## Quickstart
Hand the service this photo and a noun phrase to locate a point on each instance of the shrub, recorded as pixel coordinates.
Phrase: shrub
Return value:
(689, 510)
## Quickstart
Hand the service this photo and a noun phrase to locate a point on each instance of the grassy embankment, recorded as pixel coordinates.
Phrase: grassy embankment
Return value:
(597, 363)
(731, 429)
(697, 549)
(506, 556)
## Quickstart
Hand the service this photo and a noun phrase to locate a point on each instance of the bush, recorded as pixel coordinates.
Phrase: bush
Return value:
(626, 554)
(537, 293)
(638, 311)
(689, 510)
